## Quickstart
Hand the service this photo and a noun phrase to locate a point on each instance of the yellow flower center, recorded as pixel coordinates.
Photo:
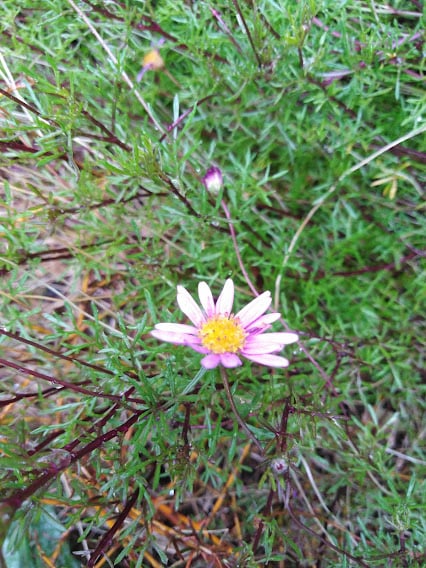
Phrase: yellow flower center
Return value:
(221, 334)
(153, 60)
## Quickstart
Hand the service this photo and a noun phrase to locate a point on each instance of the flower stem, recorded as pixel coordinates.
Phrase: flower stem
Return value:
(237, 414)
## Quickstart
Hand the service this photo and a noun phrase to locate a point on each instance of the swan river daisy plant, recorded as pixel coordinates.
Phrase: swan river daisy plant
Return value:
(222, 337)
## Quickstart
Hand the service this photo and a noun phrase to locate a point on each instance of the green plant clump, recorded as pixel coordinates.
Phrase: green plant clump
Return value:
(149, 145)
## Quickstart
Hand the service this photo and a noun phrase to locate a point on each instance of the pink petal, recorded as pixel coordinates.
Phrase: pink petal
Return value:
(189, 307)
(269, 360)
(270, 318)
(230, 360)
(172, 337)
(210, 361)
(254, 309)
(177, 328)
(226, 299)
(206, 298)
(285, 337)
(263, 322)
(198, 348)
(260, 349)
(282, 338)
(267, 342)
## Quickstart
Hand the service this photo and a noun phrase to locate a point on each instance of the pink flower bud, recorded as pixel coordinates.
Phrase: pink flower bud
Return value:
(213, 180)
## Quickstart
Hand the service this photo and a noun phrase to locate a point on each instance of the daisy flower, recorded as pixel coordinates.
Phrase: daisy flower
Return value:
(222, 337)
(152, 60)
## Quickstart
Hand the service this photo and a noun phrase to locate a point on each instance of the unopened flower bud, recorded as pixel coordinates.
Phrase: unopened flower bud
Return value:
(213, 180)
(279, 466)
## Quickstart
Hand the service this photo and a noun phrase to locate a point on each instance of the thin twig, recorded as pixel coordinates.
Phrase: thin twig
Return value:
(243, 21)
(237, 414)
(237, 250)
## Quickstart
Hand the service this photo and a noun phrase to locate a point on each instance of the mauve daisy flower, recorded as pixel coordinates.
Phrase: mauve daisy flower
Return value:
(222, 336)
(152, 60)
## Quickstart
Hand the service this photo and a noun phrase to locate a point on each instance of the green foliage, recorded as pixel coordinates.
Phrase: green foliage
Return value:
(30, 541)
(118, 446)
